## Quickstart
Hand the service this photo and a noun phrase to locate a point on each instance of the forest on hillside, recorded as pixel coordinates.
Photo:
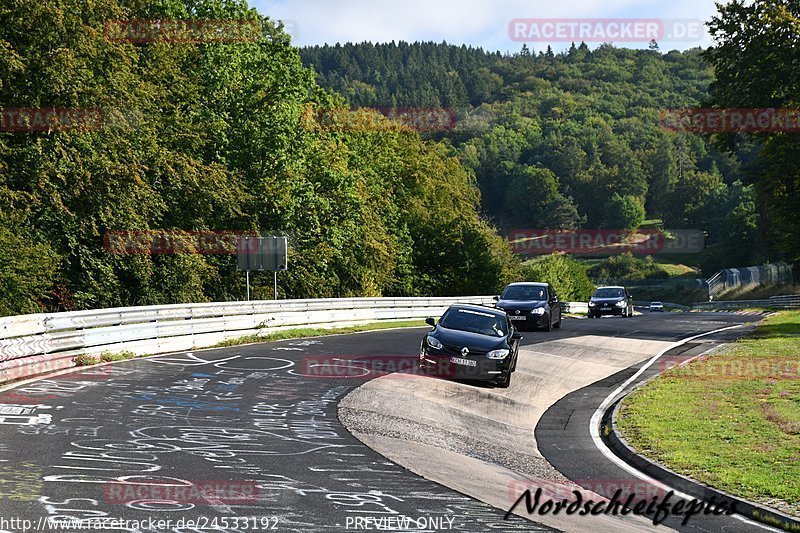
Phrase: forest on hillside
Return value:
(205, 137)
(568, 140)
(202, 137)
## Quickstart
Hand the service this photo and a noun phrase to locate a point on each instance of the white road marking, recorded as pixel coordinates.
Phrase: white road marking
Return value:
(594, 427)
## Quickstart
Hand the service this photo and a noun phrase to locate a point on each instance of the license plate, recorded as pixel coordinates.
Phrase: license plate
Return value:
(518, 318)
(465, 362)
(605, 309)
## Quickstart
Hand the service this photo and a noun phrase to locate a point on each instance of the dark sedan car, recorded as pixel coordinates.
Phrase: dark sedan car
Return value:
(471, 342)
(610, 301)
(531, 305)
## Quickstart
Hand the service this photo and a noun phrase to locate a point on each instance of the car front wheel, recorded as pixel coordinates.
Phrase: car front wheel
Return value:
(505, 381)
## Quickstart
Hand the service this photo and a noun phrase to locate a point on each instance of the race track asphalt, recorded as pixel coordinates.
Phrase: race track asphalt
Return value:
(248, 438)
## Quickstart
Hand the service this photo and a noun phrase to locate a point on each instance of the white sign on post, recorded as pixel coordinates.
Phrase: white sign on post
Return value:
(262, 254)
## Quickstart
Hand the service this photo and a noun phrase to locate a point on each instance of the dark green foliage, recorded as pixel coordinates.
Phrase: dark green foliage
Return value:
(577, 133)
(552, 139)
(567, 276)
(685, 204)
(623, 213)
(733, 228)
(756, 60)
(533, 199)
(215, 136)
(626, 266)
(26, 273)
(207, 137)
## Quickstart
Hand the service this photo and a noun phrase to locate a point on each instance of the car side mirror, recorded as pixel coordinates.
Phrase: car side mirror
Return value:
(431, 322)
(516, 336)
(496, 298)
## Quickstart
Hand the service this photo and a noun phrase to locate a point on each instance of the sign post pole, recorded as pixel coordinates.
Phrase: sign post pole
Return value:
(247, 276)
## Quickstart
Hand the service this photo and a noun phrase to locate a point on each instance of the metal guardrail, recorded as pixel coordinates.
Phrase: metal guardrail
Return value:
(40, 343)
(667, 305)
(575, 307)
(715, 284)
(675, 283)
(731, 278)
(724, 280)
(773, 302)
(583, 307)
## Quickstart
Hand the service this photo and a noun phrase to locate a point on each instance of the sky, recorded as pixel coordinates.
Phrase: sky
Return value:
(485, 23)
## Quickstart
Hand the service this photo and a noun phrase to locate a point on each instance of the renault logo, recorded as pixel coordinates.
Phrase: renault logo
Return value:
(465, 351)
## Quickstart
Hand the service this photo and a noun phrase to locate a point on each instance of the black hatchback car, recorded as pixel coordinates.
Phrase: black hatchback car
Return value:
(471, 342)
(531, 305)
(610, 301)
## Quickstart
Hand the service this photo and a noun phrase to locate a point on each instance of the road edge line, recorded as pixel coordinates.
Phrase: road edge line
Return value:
(603, 430)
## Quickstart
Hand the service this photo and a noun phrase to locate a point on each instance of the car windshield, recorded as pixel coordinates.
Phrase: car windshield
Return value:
(609, 293)
(524, 292)
(474, 322)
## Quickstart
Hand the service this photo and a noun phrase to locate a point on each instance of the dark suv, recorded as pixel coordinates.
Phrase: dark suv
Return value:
(610, 301)
(532, 305)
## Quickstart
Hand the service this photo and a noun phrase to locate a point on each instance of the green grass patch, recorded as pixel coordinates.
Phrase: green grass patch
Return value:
(300, 333)
(731, 420)
(759, 292)
(85, 360)
(108, 357)
(105, 357)
(692, 260)
(674, 270)
(651, 223)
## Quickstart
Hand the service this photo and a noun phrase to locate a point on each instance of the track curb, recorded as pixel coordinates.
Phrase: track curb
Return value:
(613, 438)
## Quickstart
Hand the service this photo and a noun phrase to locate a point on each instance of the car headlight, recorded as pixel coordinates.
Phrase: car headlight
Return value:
(498, 354)
(538, 311)
(621, 303)
(434, 343)
(592, 304)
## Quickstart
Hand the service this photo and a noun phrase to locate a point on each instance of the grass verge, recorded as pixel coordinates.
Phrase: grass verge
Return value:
(105, 357)
(730, 420)
(760, 292)
(300, 333)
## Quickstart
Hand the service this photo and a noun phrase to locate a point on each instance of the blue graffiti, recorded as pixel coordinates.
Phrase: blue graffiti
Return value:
(178, 402)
